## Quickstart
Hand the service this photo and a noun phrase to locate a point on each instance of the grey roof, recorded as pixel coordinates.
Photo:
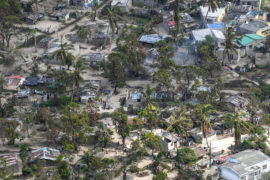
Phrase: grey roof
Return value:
(199, 34)
(152, 38)
(252, 26)
(245, 159)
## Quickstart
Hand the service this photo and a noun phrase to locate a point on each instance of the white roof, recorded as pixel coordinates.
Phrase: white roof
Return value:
(218, 34)
(121, 2)
(210, 14)
(199, 34)
(152, 38)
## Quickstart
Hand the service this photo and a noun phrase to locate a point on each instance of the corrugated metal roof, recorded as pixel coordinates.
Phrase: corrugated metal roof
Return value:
(249, 38)
(255, 36)
(245, 41)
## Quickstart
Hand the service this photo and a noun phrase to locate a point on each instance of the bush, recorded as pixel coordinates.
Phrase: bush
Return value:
(134, 169)
(105, 115)
(27, 172)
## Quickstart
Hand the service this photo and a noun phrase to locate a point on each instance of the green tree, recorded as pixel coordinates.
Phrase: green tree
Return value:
(92, 162)
(165, 64)
(123, 128)
(63, 55)
(129, 46)
(151, 140)
(64, 168)
(10, 11)
(77, 77)
(160, 163)
(137, 151)
(12, 134)
(28, 121)
(115, 70)
(202, 112)
(181, 125)
(229, 45)
(239, 126)
(24, 150)
(150, 113)
(147, 95)
(84, 32)
(4, 174)
(104, 135)
(75, 123)
(186, 156)
(163, 78)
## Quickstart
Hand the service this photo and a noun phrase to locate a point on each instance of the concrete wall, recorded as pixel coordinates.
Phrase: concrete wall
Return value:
(228, 174)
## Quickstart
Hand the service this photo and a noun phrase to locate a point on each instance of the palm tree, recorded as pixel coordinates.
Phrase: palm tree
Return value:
(229, 45)
(147, 94)
(212, 5)
(112, 24)
(62, 54)
(181, 125)
(203, 112)
(77, 78)
(239, 125)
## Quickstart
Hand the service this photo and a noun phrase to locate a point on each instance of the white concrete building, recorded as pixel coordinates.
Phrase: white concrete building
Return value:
(245, 165)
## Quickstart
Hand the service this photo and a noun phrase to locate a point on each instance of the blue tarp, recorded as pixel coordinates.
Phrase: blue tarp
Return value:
(216, 26)
(85, 4)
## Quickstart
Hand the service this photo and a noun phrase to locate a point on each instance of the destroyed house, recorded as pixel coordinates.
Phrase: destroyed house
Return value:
(169, 142)
(133, 100)
(13, 82)
(234, 103)
(188, 23)
(101, 38)
(60, 15)
(44, 153)
(93, 59)
(10, 161)
(33, 18)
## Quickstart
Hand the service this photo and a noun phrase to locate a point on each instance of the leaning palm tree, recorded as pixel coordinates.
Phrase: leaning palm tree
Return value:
(112, 24)
(203, 112)
(239, 125)
(212, 5)
(181, 125)
(229, 45)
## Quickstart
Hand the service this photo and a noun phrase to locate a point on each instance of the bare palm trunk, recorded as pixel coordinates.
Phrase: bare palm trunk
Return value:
(205, 18)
